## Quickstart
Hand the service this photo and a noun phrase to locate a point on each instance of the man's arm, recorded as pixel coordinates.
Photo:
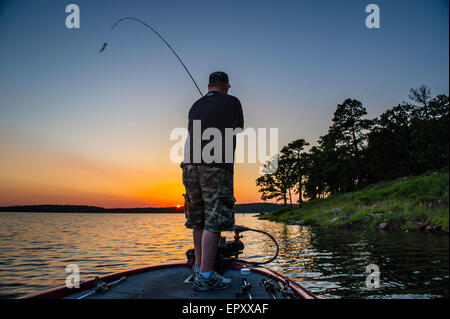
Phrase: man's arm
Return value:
(240, 115)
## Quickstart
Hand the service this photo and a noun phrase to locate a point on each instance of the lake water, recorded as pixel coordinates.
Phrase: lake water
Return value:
(35, 249)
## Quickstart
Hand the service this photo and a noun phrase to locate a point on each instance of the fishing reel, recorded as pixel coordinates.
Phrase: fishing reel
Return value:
(226, 252)
(229, 251)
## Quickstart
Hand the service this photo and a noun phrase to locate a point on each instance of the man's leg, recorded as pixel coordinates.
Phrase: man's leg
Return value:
(217, 193)
(197, 235)
(217, 218)
(195, 217)
(210, 242)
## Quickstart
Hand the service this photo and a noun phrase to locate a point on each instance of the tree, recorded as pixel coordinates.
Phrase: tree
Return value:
(421, 95)
(409, 138)
(389, 150)
(430, 133)
(315, 182)
(293, 154)
(277, 182)
(350, 131)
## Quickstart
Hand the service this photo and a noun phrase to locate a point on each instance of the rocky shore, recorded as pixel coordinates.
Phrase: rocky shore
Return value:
(417, 204)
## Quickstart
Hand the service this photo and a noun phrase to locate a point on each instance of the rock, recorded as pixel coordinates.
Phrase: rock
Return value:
(350, 213)
(437, 204)
(402, 179)
(382, 226)
(336, 210)
(374, 206)
(296, 222)
(433, 228)
(376, 215)
(435, 173)
(396, 226)
(420, 225)
(335, 220)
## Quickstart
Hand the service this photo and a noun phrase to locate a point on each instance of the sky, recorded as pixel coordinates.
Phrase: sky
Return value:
(88, 128)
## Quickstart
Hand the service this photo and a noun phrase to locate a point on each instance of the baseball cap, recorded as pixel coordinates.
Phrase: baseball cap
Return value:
(218, 79)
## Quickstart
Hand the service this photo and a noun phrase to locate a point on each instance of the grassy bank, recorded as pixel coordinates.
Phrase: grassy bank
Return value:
(418, 203)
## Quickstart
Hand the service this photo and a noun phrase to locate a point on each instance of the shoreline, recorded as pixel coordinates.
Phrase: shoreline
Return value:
(422, 228)
(410, 226)
(409, 204)
(244, 208)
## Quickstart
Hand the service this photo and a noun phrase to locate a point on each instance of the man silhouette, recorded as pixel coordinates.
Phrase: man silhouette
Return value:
(208, 178)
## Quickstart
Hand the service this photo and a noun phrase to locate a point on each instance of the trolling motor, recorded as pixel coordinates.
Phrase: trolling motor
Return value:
(229, 251)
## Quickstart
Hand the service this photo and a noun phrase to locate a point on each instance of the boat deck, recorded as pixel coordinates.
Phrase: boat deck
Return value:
(171, 283)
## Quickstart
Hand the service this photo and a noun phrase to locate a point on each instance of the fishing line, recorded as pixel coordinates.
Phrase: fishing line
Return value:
(161, 37)
(241, 229)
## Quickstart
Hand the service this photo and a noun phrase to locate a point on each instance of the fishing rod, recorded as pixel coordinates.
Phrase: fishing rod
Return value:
(269, 287)
(245, 290)
(161, 37)
(286, 291)
(101, 286)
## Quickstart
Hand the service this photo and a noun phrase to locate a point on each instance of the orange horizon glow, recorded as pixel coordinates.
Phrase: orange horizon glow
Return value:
(79, 127)
(33, 174)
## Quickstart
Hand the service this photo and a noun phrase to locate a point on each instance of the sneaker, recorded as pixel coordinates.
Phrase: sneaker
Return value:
(214, 282)
(194, 271)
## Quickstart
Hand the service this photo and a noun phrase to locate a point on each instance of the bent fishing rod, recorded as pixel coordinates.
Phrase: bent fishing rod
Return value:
(161, 37)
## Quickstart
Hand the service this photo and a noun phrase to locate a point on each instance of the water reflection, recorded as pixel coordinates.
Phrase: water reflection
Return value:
(36, 248)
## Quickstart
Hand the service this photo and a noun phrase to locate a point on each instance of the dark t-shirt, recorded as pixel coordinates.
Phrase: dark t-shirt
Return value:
(216, 112)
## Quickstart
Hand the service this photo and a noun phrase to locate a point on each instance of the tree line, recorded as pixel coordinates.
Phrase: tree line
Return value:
(407, 139)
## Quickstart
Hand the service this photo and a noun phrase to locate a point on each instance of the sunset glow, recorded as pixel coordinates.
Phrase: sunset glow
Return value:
(87, 128)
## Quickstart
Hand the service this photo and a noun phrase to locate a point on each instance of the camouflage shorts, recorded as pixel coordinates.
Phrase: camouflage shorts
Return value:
(209, 198)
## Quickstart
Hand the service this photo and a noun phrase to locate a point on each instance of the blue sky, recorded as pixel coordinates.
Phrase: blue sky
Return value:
(290, 63)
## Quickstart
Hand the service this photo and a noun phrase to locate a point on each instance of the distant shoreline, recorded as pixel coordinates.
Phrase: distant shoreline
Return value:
(81, 212)
(85, 209)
